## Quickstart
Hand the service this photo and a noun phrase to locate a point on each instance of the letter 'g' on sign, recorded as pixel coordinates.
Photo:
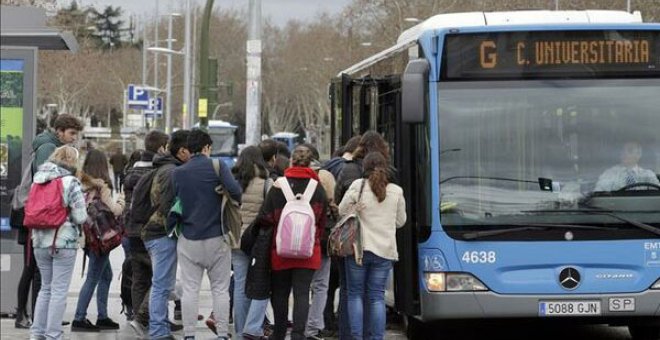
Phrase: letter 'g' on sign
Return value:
(487, 54)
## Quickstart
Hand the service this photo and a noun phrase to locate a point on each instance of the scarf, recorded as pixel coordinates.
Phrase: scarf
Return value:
(301, 172)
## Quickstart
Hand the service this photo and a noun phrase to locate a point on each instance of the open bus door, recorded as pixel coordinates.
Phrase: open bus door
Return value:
(375, 104)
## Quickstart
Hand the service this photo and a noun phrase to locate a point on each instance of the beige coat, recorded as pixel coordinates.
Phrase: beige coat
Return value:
(252, 199)
(378, 220)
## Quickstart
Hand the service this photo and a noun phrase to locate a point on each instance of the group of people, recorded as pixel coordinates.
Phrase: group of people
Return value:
(170, 210)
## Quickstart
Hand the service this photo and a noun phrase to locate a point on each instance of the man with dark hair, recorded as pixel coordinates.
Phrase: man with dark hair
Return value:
(201, 245)
(65, 131)
(269, 150)
(162, 249)
(155, 142)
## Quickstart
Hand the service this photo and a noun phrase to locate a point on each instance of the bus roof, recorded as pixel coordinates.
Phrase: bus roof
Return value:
(285, 135)
(218, 123)
(409, 37)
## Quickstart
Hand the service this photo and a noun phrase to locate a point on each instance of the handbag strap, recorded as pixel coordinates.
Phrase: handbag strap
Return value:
(364, 181)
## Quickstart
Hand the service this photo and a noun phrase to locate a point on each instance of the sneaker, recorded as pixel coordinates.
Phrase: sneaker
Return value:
(254, 337)
(210, 323)
(316, 336)
(139, 329)
(106, 323)
(174, 327)
(22, 321)
(83, 326)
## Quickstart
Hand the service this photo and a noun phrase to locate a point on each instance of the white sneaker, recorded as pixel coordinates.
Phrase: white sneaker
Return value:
(139, 329)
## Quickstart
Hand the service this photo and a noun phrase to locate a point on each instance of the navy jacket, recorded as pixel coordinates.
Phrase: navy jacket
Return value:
(194, 184)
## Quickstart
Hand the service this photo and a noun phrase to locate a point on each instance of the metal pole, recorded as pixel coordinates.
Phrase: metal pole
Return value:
(628, 6)
(186, 70)
(168, 101)
(123, 139)
(253, 88)
(193, 74)
(556, 5)
(156, 45)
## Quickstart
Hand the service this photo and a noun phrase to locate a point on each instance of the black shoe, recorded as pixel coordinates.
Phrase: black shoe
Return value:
(316, 336)
(23, 322)
(65, 323)
(106, 323)
(83, 326)
(175, 327)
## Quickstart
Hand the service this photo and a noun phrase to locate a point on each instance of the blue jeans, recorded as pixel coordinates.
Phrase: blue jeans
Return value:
(366, 288)
(248, 314)
(99, 277)
(343, 323)
(56, 270)
(163, 262)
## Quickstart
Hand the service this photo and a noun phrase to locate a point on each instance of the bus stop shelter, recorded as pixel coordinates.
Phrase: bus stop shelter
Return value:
(23, 32)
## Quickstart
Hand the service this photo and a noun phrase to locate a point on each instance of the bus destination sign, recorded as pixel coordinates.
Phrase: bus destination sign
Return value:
(551, 54)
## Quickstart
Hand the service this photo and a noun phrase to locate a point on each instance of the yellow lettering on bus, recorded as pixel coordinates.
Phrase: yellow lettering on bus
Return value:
(644, 51)
(488, 56)
(618, 51)
(574, 52)
(521, 53)
(584, 47)
(593, 50)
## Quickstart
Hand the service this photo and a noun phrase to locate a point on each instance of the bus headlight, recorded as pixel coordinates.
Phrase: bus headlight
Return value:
(453, 282)
(656, 285)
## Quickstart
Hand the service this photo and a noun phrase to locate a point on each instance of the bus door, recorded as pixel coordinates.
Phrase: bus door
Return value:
(365, 104)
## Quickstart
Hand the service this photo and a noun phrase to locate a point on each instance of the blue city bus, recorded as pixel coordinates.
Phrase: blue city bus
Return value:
(509, 132)
(225, 143)
(291, 139)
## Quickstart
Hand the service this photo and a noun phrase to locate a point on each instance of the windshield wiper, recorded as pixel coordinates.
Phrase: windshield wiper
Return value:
(610, 213)
(486, 177)
(531, 226)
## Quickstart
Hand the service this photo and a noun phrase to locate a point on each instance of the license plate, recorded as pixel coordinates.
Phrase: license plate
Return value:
(569, 308)
(626, 304)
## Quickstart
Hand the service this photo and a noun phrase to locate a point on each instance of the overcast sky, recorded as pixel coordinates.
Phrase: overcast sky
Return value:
(279, 11)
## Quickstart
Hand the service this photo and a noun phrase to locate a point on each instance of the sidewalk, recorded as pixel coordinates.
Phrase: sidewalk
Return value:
(8, 332)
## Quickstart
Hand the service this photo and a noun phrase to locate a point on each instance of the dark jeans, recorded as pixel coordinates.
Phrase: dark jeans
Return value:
(343, 322)
(141, 287)
(29, 277)
(281, 283)
(330, 319)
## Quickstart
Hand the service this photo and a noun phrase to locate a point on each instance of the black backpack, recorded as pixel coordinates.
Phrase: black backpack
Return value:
(141, 207)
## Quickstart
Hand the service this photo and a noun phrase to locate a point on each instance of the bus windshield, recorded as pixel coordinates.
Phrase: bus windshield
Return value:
(224, 141)
(520, 151)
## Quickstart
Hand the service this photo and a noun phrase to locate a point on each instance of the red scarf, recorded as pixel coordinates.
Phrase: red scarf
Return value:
(300, 172)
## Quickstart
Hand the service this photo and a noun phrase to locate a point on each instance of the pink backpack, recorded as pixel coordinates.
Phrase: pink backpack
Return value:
(45, 209)
(296, 230)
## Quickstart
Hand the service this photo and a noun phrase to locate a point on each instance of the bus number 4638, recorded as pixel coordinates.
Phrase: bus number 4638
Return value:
(479, 257)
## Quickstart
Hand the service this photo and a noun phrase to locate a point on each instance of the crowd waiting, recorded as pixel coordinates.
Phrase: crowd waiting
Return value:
(259, 231)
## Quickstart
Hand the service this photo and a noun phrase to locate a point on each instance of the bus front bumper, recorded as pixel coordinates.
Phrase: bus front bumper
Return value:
(487, 305)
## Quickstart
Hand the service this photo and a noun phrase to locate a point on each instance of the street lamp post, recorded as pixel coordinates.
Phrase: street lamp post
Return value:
(168, 101)
(187, 69)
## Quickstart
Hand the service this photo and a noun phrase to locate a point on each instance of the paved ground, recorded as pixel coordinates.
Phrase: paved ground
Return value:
(518, 331)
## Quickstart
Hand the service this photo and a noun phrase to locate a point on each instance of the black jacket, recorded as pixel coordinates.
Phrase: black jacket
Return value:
(257, 284)
(351, 171)
(133, 176)
(162, 196)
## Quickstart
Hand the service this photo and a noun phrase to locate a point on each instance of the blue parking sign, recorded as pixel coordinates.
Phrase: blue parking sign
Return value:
(155, 107)
(138, 97)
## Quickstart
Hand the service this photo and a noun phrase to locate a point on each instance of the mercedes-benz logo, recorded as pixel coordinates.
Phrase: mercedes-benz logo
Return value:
(569, 278)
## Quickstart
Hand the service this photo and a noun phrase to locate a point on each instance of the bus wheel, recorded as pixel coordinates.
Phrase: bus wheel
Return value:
(415, 329)
(644, 332)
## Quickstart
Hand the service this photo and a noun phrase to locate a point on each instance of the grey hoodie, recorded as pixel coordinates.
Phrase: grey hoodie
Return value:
(68, 233)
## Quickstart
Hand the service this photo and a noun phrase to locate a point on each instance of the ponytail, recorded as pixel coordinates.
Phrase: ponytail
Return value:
(378, 182)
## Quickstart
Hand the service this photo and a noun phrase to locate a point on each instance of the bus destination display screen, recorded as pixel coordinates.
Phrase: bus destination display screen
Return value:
(551, 54)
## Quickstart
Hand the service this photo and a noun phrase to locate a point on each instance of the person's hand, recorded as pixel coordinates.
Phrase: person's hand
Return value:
(359, 206)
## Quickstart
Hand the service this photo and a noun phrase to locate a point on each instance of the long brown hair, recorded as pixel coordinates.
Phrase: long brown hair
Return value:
(376, 167)
(371, 141)
(96, 165)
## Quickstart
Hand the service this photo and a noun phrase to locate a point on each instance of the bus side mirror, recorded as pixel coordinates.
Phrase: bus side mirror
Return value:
(414, 87)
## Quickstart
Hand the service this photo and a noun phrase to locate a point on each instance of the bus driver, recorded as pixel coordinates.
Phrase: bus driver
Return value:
(628, 172)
